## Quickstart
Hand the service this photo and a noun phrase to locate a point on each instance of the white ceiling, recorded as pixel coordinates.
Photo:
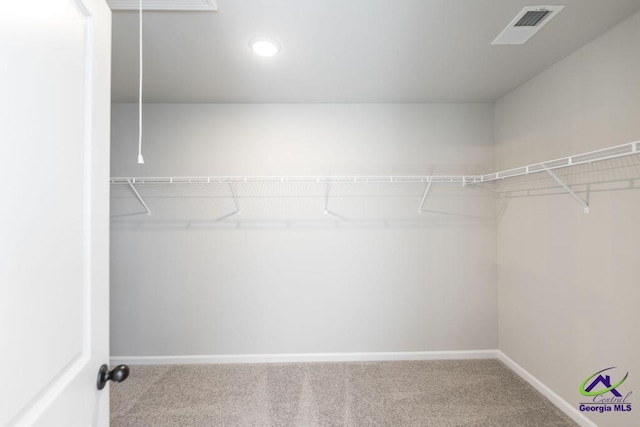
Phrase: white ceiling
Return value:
(346, 50)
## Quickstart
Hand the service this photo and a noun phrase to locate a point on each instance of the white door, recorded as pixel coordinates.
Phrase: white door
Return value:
(54, 164)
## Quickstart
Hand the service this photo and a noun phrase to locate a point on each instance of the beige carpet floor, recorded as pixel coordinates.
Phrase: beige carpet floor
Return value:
(408, 393)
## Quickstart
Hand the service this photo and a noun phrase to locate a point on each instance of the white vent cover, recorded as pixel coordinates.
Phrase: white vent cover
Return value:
(526, 23)
(182, 5)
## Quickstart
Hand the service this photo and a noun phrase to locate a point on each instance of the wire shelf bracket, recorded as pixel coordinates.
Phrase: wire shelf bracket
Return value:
(503, 208)
(235, 199)
(140, 199)
(424, 197)
(235, 202)
(568, 189)
(327, 211)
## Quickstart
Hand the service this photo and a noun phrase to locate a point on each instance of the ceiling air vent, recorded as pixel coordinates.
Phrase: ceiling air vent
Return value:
(526, 23)
(532, 18)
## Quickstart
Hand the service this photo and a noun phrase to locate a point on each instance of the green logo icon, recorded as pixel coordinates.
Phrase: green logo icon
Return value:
(606, 382)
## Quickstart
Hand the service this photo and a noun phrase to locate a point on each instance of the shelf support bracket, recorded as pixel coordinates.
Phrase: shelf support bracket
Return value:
(135, 191)
(567, 189)
(503, 208)
(326, 197)
(235, 202)
(326, 203)
(424, 197)
(235, 199)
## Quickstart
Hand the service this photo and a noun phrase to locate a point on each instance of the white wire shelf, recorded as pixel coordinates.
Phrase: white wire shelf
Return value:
(333, 186)
(609, 153)
(453, 179)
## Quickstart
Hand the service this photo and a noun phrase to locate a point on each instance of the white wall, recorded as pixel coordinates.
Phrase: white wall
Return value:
(417, 283)
(568, 282)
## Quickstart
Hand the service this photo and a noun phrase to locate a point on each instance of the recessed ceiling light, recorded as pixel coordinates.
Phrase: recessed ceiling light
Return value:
(264, 46)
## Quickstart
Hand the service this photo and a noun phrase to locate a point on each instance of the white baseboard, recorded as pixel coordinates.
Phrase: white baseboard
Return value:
(558, 401)
(304, 357)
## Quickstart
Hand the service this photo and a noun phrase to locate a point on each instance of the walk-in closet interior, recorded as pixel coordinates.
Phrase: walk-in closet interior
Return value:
(407, 193)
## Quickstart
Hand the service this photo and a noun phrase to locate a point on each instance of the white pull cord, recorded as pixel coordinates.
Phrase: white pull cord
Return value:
(140, 158)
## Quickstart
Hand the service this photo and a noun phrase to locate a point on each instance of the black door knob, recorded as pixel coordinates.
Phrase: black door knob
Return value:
(117, 375)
